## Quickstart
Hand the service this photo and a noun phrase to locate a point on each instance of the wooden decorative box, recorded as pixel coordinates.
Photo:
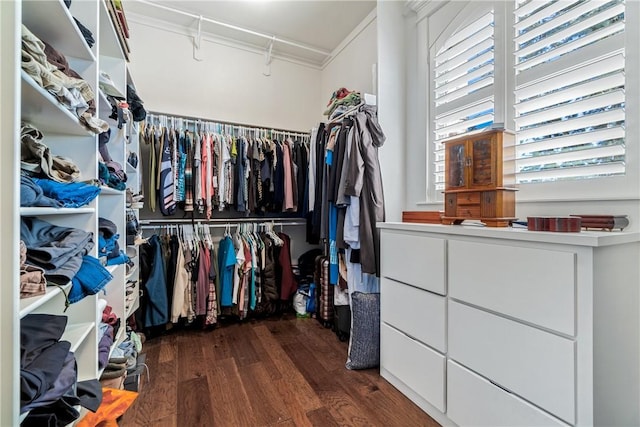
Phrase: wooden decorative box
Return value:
(562, 224)
(477, 179)
(422, 217)
(603, 222)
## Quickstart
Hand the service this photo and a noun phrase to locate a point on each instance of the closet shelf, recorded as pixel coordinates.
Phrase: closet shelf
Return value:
(76, 334)
(119, 338)
(28, 305)
(108, 191)
(104, 106)
(112, 268)
(131, 169)
(43, 111)
(109, 42)
(132, 271)
(35, 211)
(132, 306)
(52, 22)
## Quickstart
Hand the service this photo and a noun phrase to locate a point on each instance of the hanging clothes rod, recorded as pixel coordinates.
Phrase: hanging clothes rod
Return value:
(156, 115)
(216, 225)
(224, 221)
(237, 28)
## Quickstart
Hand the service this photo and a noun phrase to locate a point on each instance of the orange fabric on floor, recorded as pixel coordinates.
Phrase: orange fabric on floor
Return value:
(115, 402)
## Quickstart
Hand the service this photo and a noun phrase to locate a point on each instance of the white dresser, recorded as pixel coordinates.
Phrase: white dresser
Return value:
(507, 327)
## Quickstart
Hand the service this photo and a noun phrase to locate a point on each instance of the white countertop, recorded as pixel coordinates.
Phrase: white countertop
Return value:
(583, 238)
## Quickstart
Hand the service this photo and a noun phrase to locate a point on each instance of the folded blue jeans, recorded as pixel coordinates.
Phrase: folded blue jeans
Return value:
(71, 194)
(90, 279)
(31, 194)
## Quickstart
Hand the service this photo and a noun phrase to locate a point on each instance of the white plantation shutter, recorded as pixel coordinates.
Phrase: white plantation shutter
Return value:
(570, 89)
(463, 86)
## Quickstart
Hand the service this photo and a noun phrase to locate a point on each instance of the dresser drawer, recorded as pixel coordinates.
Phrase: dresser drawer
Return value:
(413, 259)
(472, 198)
(538, 366)
(468, 211)
(472, 400)
(417, 313)
(417, 366)
(534, 285)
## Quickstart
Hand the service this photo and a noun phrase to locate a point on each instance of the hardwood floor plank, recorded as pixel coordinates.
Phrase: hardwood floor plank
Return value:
(168, 348)
(320, 340)
(291, 396)
(190, 352)
(194, 405)
(159, 397)
(294, 379)
(344, 410)
(267, 405)
(310, 367)
(242, 348)
(321, 417)
(216, 346)
(229, 400)
(286, 423)
(381, 407)
(168, 421)
(265, 357)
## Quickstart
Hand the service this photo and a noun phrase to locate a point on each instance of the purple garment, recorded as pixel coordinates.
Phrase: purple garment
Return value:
(64, 383)
(104, 347)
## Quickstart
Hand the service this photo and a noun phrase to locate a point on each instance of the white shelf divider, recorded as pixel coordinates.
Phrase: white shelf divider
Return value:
(52, 22)
(36, 211)
(76, 334)
(42, 110)
(28, 305)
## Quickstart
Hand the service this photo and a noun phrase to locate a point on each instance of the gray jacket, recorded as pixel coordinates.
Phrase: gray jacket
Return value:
(364, 180)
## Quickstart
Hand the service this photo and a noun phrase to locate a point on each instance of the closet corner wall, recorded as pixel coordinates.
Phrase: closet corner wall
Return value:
(23, 100)
(9, 215)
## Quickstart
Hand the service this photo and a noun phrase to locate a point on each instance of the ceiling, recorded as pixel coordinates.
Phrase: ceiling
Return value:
(306, 30)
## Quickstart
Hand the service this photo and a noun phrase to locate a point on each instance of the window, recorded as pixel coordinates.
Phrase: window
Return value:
(570, 90)
(463, 86)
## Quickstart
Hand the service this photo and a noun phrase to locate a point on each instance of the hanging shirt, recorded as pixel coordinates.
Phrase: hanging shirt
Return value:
(180, 304)
(238, 268)
(226, 264)
(188, 172)
(165, 183)
(207, 173)
(311, 193)
(198, 199)
(182, 162)
(289, 202)
(151, 138)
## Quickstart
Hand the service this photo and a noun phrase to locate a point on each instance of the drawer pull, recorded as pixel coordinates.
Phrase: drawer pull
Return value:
(499, 386)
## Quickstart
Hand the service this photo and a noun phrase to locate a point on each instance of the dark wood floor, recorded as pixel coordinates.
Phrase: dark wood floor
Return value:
(284, 371)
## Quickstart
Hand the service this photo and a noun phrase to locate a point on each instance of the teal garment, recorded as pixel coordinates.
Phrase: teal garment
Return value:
(252, 286)
(226, 264)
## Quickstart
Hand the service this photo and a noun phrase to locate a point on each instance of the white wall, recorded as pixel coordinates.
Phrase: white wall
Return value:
(391, 104)
(352, 65)
(227, 85)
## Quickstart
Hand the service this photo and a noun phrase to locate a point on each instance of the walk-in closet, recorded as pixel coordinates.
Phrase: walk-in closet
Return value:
(319, 213)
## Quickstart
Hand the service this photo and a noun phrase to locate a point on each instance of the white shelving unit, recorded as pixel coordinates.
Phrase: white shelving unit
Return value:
(24, 100)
